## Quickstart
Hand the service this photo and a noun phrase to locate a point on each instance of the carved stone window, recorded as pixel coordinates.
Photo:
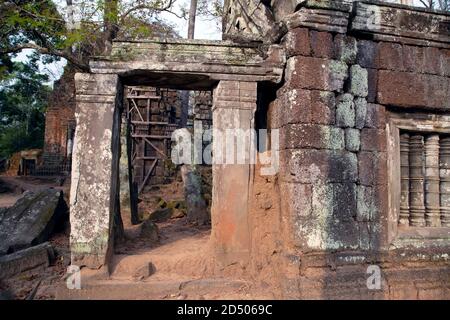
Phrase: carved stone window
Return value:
(419, 175)
(425, 179)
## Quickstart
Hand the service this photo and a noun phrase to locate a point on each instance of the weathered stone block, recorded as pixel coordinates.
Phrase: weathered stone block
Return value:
(293, 106)
(300, 203)
(373, 139)
(376, 116)
(331, 226)
(345, 111)
(297, 42)
(445, 62)
(391, 56)
(32, 219)
(95, 166)
(360, 112)
(352, 139)
(368, 56)
(366, 204)
(372, 168)
(331, 234)
(311, 166)
(323, 107)
(322, 44)
(346, 48)
(27, 259)
(297, 136)
(432, 62)
(404, 89)
(345, 204)
(413, 58)
(303, 106)
(364, 236)
(372, 78)
(315, 73)
(359, 83)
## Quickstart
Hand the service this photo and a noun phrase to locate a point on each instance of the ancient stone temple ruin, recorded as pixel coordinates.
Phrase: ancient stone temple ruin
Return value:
(359, 92)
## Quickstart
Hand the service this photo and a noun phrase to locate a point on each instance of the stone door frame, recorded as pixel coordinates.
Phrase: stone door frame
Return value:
(233, 71)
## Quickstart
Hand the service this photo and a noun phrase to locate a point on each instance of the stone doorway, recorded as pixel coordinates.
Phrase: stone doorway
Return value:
(151, 183)
(95, 203)
(164, 204)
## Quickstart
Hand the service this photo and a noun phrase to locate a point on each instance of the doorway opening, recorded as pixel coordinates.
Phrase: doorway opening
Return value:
(165, 206)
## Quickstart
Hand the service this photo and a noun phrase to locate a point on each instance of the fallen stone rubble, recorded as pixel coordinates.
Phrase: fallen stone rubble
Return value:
(31, 221)
(15, 263)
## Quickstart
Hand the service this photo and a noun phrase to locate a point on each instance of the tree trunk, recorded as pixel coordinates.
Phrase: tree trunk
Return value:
(192, 15)
(110, 18)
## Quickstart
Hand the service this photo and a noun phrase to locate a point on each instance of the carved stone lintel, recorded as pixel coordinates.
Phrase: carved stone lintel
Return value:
(444, 165)
(250, 20)
(432, 202)
(396, 23)
(404, 163)
(416, 176)
(319, 19)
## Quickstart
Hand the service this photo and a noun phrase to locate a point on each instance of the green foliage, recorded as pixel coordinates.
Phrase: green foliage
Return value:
(18, 137)
(23, 100)
(78, 34)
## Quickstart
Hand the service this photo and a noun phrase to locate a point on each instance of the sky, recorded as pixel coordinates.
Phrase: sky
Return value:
(204, 29)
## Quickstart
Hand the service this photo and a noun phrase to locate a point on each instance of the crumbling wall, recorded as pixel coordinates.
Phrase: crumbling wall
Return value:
(59, 119)
(334, 189)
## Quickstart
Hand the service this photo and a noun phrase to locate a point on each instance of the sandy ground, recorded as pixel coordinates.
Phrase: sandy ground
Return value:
(181, 263)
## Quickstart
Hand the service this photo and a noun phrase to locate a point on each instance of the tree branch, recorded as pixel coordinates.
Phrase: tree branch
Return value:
(50, 51)
(149, 7)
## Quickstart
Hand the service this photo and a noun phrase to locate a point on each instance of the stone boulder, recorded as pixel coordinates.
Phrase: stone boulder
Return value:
(150, 231)
(32, 220)
(197, 210)
(161, 214)
(174, 209)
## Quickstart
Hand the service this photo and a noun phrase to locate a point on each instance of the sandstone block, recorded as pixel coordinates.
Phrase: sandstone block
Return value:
(298, 136)
(345, 111)
(373, 139)
(376, 116)
(315, 73)
(390, 56)
(368, 56)
(297, 42)
(360, 112)
(346, 48)
(359, 83)
(322, 44)
(404, 89)
(311, 166)
(352, 139)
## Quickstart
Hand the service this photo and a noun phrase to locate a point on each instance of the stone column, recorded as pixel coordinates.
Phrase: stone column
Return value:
(234, 105)
(94, 194)
(432, 205)
(416, 176)
(444, 164)
(404, 164)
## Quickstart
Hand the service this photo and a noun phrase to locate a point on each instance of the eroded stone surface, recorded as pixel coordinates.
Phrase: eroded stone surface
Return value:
(32, 220)
(94, 189)
(326, 215)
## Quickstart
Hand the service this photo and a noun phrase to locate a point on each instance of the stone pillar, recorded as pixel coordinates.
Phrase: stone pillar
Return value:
(234, 105)
(94, 194)
(444, 164)
(432, 205)
(404, 164)
(416, 176)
